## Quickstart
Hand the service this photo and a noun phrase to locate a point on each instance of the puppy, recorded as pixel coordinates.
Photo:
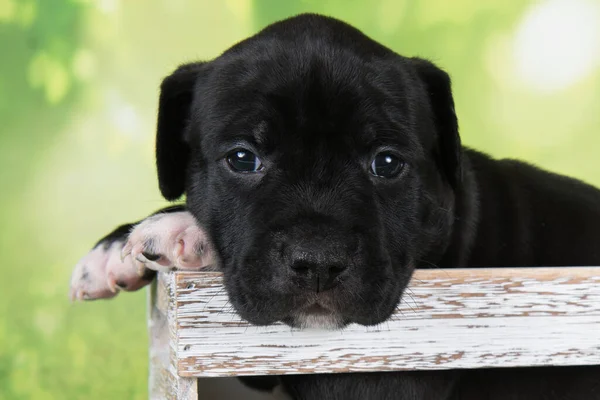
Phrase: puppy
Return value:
(320, 169)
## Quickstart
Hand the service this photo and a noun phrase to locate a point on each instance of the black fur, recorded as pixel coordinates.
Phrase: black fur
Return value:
(316, 99)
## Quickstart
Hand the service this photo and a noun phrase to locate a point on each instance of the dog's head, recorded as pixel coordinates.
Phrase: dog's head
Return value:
(322, 164)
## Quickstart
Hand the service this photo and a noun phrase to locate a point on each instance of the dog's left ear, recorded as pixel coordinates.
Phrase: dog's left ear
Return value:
(174, 107)
(439, 89)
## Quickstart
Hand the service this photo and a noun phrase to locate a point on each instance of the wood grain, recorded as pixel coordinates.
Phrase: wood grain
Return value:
(453, 318)
(164, 382)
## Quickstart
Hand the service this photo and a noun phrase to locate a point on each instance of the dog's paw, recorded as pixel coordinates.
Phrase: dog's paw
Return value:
(170, 241)
(88, 280)
(101, 273)
(128, 258)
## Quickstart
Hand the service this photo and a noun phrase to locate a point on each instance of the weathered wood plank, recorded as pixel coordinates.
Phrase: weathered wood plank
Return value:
(469, 318)
(164, 382)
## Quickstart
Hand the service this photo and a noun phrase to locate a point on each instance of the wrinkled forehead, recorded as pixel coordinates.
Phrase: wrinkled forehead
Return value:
(276, 93)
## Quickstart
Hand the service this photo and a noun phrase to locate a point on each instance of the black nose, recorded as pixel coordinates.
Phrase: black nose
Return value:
(318, 270)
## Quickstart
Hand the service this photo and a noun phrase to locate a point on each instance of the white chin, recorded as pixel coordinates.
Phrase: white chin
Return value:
(318, 321)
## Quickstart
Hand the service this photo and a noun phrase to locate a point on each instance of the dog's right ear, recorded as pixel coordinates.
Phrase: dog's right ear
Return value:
(174, 107)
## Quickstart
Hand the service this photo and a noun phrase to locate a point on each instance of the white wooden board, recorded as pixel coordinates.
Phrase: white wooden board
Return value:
(453, 318)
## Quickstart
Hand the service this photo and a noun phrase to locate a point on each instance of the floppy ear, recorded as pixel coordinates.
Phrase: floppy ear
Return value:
(172, 152)
(438, 86)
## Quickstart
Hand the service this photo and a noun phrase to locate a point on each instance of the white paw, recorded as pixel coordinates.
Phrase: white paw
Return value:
(100, 274)
(169, 241)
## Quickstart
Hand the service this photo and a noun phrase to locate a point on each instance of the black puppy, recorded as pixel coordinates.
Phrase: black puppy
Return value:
(323, 169)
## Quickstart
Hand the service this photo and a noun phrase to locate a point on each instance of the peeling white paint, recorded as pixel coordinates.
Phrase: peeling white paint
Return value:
(462, 318)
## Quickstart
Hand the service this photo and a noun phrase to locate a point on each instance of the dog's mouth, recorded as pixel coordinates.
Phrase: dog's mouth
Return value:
(316, 315)
(316, 309)
(279, 299)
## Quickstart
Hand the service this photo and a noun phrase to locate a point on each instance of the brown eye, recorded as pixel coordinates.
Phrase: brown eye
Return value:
(242, 160)
(386, 165)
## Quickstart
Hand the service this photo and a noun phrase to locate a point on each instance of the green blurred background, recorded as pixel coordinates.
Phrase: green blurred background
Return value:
(78, 92)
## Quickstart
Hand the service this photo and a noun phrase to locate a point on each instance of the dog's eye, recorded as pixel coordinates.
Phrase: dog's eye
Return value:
(386, 165)
(244, 161)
